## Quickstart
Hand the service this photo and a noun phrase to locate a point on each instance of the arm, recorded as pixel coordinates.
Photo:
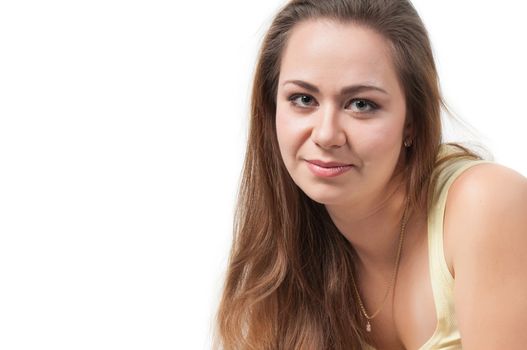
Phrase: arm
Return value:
(490, 257)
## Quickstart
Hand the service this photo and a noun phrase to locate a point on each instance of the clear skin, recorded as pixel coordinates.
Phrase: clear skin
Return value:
(364, 128)
(485, 251)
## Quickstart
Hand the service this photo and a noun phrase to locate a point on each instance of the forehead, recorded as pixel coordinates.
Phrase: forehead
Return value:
(324, 50)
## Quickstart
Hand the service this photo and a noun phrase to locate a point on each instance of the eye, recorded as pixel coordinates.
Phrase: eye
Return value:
(363, 105)
(300, 100)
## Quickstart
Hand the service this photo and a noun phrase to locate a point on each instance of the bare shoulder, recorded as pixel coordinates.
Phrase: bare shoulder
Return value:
(487, 208)
(483, 202)
(488, 180)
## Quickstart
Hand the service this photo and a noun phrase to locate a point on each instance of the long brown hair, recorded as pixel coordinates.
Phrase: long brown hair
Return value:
(288, 282)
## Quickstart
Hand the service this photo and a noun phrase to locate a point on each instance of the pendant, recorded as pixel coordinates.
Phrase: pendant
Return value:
(368, 326)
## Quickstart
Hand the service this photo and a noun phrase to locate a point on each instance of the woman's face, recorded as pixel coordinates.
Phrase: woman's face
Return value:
(339, 100)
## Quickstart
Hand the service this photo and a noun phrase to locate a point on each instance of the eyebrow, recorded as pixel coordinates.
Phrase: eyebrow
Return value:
(345, 90)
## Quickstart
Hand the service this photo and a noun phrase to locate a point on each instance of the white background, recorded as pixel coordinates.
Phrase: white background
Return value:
(122, 127)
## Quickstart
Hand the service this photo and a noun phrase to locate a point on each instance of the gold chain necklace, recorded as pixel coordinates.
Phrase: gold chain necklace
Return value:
(394, 275)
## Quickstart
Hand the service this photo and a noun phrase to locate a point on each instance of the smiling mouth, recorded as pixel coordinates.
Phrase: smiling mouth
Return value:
(321, 171)
(329, 164)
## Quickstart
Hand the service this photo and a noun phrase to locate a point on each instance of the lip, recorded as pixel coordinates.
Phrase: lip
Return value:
(324, 164)
(328, 171)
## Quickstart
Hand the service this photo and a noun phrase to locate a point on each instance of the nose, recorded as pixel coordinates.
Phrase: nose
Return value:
(327, 132)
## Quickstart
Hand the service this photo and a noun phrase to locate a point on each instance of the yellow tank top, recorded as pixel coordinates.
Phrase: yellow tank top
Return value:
(446, 335)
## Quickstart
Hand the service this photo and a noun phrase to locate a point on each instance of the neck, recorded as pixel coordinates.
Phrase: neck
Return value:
(373, 227)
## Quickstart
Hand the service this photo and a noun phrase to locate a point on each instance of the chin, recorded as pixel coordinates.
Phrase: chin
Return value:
(323, 194)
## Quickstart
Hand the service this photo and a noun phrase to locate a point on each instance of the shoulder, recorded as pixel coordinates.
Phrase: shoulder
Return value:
(480, 201)
(485, 202)
(487, 193)
(487, 178)
(487, 208)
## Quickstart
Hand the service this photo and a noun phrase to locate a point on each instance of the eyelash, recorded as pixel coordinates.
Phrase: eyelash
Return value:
(373, 105)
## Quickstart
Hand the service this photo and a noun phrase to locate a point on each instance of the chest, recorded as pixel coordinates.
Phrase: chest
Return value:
(408, 318)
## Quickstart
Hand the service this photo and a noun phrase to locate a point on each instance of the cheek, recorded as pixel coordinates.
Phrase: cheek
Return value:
(283, 135)
(378, 139)
(288, 133)
(386, 135)
(281, 130)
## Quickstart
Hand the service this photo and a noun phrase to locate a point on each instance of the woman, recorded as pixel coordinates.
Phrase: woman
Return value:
(356, 228)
